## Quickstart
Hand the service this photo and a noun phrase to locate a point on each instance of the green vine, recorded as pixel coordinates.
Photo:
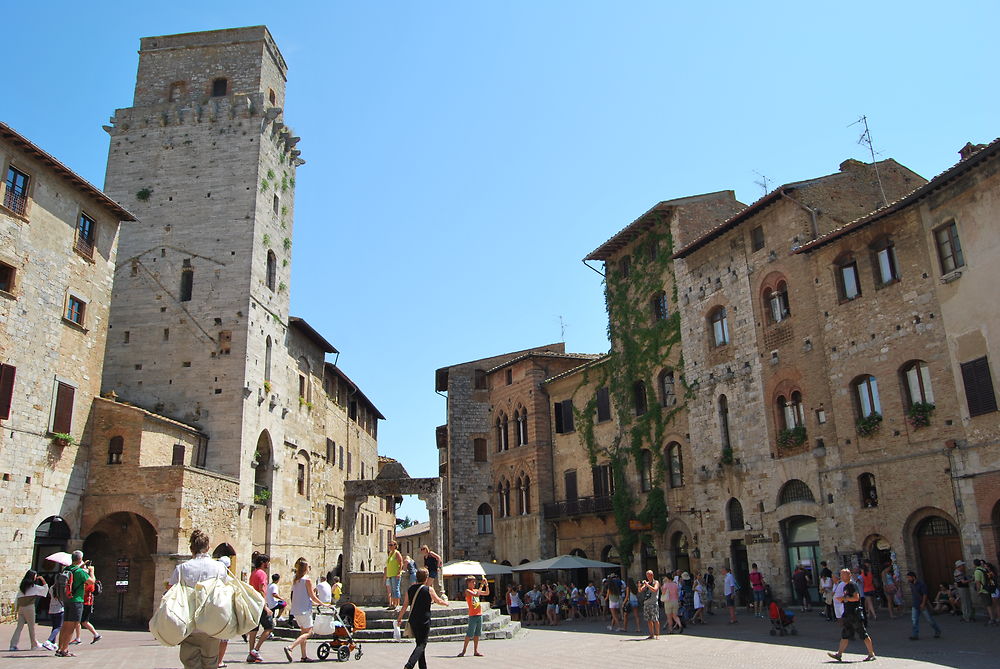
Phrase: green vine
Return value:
(641, 346)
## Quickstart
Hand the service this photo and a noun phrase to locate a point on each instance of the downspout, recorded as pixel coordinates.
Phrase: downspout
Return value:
(552, 466)
(813, 213)
(593, 268)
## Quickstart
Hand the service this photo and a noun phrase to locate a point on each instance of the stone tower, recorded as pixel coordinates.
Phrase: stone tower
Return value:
(201, 290)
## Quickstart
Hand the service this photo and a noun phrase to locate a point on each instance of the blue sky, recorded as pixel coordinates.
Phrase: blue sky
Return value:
(462, 157)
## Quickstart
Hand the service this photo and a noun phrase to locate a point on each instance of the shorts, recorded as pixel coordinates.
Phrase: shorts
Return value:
(432, 573)
(266, 620)
(553, 608)
(851, 627)
(614, 605)
(730, 600)
(475, 627)
(758, 595)
(87, 610)
(305, 620)
(515, 610)
(986, 599)
(73, 612)
(393, 583)
(670, 608)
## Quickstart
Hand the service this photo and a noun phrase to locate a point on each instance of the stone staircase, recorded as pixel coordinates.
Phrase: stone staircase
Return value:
(447, 624)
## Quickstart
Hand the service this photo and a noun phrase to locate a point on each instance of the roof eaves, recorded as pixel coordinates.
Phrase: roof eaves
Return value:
(314, 336)
(120, 212)
(357, 390)
(545, 354)
(587, 365)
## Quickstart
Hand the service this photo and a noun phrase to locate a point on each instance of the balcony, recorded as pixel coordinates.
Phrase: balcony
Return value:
(16, 201)
(581, 506)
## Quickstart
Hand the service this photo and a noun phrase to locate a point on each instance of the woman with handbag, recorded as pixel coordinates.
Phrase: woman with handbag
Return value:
(419, 623)
(303, 599)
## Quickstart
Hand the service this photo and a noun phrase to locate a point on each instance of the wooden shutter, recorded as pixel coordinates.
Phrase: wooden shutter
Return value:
(570, 480)
(6, 389)
(979, 391)
(603, 405)
(567, 408)
(177, 458)
(559, 418)
(62, 420)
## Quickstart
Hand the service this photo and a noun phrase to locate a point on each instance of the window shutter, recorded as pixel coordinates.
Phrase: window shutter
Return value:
(560, 428)
(62, 420)
(6, 389)
(567, 420)
(979, 391)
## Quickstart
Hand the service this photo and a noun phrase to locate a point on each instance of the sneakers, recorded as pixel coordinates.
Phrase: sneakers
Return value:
(254, 657)
(48, 645)
(97, 638)
(14, 648)
(75, 642)
(836, 656)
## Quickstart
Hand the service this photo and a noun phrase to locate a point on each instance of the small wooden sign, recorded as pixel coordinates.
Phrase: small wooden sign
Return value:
(639, 526)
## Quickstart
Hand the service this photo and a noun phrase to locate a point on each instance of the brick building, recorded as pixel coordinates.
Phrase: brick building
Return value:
(58, 239)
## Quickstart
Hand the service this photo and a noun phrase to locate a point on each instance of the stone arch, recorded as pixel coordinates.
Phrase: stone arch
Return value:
(932, 562)
(51, 535)
(120, 542)
(795, 490)
(735, 521)
(264, 469)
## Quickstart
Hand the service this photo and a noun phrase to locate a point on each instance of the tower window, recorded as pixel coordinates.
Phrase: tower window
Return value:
(176, 91)
(220, 87)
(187, 285)
(272, 269)
(271, 96)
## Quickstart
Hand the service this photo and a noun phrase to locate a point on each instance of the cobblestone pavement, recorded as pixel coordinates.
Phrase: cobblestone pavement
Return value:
(585, 645)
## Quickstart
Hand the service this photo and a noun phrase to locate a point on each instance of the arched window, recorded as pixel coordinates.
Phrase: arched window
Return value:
(719, 326)
(302, 474)
(115, 449)
(790, 411)
(272, 269)
(484, 519)
(503, 498)
(659, 304)
(518, 493)
(795, 491)
(305, 382)
(675, 464)
(886, 267)
(639, 397)
(668, 395)
(866, 486)
(220, 87)
(724, 422)
(267, 358)
(848, 284)
(176, 91)
(502, 435)
(734, 515)
(866, 401)
(776, 303)
(645, 471)
(917, 382)
(521, 416)
(526, 496)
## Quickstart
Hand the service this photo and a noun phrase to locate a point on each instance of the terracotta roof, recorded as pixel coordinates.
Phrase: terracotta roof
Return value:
(546, 354)
(316, 338)
(579, 368)
(634, 230)
(956, 170)
(72, 177)
(413, 530)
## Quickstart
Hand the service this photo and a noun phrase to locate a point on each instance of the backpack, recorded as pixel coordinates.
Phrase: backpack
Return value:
(60, 587)
(98, 588)
(989, 583)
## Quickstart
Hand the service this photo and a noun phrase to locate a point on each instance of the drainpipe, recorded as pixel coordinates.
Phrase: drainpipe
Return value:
(813, 213)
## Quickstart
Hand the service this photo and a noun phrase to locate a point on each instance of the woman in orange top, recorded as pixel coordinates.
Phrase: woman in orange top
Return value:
(472, 595)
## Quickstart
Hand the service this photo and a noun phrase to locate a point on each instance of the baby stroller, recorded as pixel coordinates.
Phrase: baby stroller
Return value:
(342, 625)
(782, 621)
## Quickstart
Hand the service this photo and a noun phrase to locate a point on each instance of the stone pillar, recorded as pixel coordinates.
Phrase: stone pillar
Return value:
(435, 507)
(352, 506)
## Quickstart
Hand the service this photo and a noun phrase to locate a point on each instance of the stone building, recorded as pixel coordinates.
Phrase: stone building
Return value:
(263, 427)
(58, 239)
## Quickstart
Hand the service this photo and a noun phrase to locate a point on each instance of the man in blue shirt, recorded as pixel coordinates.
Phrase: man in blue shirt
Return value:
(921, 603)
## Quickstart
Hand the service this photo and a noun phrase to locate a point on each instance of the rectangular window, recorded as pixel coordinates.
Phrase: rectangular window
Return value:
(331, 516)
(177, 457)
(848, 281)
(75, 310)
(604, 482)
(603, 405)
(569, 480)
(15, 196)
(7, 274)
(84, 243)
(348, 463)
(564, 416)
(341, 459)
(757, 238)
(340, 517)
(62, 414)
(949, 248)
(300, 479)
(479, 450)
(331, 451)
(979, 392)
(887, 268)
(187, 285)
(7, 373)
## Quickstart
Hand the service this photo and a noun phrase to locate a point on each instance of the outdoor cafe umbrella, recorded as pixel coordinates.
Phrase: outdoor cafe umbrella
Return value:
(563, 562)
(62, 557)
(473, 568)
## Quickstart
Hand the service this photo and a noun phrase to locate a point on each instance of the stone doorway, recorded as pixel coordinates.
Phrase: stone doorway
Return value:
(938, 546)
(121, 547)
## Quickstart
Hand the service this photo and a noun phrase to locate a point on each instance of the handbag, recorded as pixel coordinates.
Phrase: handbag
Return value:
(226, 608)
(408, 631)
(172, 621)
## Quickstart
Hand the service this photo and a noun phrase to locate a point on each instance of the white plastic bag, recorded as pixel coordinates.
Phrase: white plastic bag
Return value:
(323, 624)
(396, 634)
(172, 622)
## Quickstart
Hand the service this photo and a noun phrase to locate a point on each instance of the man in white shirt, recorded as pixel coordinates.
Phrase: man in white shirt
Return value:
(838, 593)
(323, 591)
(729, 589)
(592, 606)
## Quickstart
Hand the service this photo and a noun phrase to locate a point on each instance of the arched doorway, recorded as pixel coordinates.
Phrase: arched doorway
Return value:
(802, 546)
(938, 546)
(230, 552)
(679, 548)
(878, 551)
(263, 464)
(121, 547)
(51, 536)
(610, 554)
(649, 561)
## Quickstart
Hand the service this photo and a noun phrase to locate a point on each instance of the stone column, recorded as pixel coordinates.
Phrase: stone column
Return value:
(352, 506)
(434, 503)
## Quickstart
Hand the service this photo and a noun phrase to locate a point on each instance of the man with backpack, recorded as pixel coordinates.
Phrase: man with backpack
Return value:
(76, 584)
(985, 585)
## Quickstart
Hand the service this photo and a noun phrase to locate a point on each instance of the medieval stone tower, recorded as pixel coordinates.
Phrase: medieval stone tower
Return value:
(200, 301)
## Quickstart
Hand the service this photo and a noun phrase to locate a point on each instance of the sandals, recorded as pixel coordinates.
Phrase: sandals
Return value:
(288, 653)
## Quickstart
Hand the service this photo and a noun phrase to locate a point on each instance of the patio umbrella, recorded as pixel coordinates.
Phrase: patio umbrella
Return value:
(473, 568)
(62, 557)
(563, 562)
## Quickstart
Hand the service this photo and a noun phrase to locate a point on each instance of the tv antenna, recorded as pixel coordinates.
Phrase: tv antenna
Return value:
(866, 140)
(763, 183)
(562, 330)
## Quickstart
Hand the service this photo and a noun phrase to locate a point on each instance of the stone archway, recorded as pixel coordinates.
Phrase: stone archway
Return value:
(393, 481)
(121, 546)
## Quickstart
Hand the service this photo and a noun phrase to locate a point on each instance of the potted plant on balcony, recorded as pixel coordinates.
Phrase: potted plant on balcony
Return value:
(62, 439)
(919, 414)
(792, 438)
(869, 425)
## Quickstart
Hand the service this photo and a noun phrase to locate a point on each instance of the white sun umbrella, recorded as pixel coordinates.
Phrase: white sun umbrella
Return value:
(62, 557)
(474, 568)
(564, 562)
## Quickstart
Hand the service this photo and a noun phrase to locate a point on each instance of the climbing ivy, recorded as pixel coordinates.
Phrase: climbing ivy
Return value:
(642, 345)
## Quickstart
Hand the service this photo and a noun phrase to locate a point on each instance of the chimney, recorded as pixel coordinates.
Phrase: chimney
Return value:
(851, 164)
(970, 149)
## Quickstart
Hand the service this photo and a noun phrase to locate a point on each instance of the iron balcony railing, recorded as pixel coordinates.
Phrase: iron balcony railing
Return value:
(84, 247)
(15, 200)
(580, 506)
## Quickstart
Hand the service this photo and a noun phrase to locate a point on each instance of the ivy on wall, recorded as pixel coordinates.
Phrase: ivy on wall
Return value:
(642, 345)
